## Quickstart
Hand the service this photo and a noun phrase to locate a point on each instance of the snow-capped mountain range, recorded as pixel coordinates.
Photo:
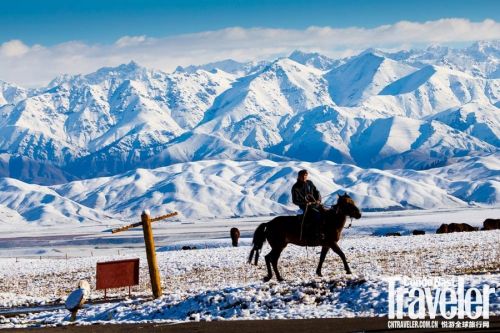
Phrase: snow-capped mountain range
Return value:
(411, 113)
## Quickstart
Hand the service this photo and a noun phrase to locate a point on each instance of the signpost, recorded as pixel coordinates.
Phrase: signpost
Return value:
(117, 274)
(154, 272)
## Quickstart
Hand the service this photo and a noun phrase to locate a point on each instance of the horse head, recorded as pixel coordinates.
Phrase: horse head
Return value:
(345, 205)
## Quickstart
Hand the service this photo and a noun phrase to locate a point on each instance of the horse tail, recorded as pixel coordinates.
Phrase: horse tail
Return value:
(259, 238)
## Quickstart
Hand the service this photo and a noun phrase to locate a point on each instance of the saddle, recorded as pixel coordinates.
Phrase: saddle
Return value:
(312, 228)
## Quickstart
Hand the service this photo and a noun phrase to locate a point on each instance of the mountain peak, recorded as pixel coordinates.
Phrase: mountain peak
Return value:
(364, 75)
(486, 44)
(227, 65)
(292, 67)
(313, 59)
(372, 52)
(298, 54)
(130, 67)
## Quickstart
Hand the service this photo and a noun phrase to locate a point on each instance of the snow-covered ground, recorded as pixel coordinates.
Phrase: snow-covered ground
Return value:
(214, 282)
(59, 241)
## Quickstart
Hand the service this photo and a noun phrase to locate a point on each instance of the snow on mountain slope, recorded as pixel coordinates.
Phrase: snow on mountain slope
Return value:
(195, 189)
(493, 91)
(194, 146)
(428, 91)
(342, 136)
(399, 142)
(77, 116)
(479, 59)
(207, 189)
(190, 95)
(11, 94)
(478, 120)
(224, 189)
(253, 110)
(120, 118)
(136, 114)
(110, 116)
(147, 150)
(236, 68)
(323, 133)
(11, 219)
(385, 137)
(315, 60)
(122, 155)
(363, 76)
(42, 205)
(99, 108)
(29, 170)
(472, 179)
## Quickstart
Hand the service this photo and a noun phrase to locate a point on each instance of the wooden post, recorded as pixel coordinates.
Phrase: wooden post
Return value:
(151, 254)
(149, 241)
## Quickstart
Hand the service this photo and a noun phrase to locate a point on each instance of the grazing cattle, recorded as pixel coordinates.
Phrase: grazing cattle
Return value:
(418, 232)
(235, 236)
(443, 229)
(461, 227)
(491, 224)
(392, 234)
(455, 227)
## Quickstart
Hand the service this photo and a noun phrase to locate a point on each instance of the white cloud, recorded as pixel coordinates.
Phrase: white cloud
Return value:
(132, 41)
(13, 48)
(37, 65)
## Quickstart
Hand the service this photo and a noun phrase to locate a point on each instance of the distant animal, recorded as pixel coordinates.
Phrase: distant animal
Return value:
(443, 229)
(235, 236)
(491, 224)
(392, 234)
(284, 230)
(418, 232)
(186, 247)
(455, 227)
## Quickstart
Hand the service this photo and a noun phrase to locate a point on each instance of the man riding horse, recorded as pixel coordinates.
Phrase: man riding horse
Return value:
(307, 197)
(284, 230)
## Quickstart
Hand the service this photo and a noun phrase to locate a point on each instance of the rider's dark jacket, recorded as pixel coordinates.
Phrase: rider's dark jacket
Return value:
(302, 190)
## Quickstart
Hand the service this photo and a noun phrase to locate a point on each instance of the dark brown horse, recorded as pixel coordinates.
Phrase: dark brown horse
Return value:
(235, 236)
(284, 230)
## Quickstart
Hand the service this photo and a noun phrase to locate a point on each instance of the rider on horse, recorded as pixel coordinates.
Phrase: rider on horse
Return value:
(307, 197)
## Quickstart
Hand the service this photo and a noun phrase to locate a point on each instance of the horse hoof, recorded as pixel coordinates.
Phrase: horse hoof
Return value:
(348, 272)
(267, 278)
(280, 279)
(319, 274)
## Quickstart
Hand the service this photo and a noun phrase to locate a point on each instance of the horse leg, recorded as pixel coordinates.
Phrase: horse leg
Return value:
(275, 255)
(324, 251)
(341, 254)
(268, 265)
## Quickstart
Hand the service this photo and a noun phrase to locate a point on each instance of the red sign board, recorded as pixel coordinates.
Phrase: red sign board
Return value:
(117, 274)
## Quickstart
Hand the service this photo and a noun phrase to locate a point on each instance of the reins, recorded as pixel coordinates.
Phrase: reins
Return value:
(337, 210)
(350, 224)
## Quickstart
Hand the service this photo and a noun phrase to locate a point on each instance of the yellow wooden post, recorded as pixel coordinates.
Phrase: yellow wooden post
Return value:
(154, 272)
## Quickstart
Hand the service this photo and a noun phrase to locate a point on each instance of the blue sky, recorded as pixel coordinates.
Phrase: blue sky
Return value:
(50, 22)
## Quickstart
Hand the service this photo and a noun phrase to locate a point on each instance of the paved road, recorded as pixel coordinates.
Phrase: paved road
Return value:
(253, 326)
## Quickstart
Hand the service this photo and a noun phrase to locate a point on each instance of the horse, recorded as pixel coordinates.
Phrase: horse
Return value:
(284, 230)
(235, 236)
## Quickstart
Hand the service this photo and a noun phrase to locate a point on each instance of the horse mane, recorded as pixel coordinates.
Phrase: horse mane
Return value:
(331, 215)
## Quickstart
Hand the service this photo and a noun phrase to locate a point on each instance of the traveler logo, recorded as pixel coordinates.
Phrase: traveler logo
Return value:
(436, 297)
